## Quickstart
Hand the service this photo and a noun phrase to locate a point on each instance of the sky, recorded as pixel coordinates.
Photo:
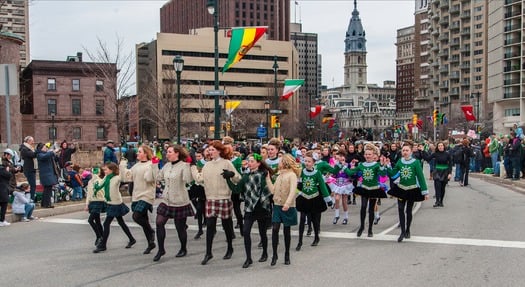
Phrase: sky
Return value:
(60, 28)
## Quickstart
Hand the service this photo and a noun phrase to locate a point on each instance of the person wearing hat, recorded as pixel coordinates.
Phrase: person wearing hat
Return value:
(7, 160)
(109, 152)
(5, 176)
(28, 155)
(47, 172)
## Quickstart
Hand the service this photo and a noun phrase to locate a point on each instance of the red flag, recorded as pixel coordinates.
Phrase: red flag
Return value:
(419, 124)
(468, 111)
(315, 111)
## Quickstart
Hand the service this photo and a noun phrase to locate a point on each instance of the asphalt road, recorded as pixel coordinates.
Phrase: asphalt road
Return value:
(477, 239)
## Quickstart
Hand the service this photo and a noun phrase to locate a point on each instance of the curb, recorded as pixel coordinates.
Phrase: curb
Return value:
(517, 186)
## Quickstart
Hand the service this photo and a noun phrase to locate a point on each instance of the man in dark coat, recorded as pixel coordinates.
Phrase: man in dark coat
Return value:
(47, 171)
(109, 153)
(5, 176)
(28, 154)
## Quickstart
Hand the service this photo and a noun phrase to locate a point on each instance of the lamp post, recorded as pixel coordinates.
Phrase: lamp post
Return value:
(178, 64)
(275, 97)
(53, 132)
(477, 95)
(213, 9)
(267, 110)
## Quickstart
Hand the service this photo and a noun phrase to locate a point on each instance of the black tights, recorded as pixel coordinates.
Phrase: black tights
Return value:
(180, 225)
(315, 219)
(141, 218)
(371, 202)
(199, 214)
(249, 219)
(439, 187)
(107, 227)
(94, 222)
(275, 238)
(3, 210)
(211, 226)
(401, 210)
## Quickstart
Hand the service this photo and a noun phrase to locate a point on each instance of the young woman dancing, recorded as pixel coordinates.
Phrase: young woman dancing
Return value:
(95, 205)
(342, 187)
(442, 171)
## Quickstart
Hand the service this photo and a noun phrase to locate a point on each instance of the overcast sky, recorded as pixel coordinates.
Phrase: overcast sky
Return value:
(61, 28)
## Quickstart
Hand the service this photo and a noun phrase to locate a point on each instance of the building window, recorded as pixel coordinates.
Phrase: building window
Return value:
(51, 84)
(77, 133)
(51, 106)
(52, 132)
(101, 133)
(99, 86)
(99, 107)
(75, 84)
(75, 107)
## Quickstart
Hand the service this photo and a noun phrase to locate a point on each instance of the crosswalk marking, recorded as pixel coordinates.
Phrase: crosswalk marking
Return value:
(383, 236)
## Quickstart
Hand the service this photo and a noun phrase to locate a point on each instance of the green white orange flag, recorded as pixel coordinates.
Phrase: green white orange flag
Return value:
(231, 106)
(242, 40)
(290, 86)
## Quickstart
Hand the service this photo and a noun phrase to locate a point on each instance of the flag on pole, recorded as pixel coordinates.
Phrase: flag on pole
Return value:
(242, 40)
(231, 106)
(469, 115)
(315, 111)
(290, 86)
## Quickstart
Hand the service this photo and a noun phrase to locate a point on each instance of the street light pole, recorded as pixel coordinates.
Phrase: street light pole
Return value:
(178, 64)
(213, 9)
(267, 110)
(53, 132)
(275, 97)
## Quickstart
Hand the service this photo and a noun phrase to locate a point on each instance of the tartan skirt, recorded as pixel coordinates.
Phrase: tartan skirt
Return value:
(141, 206)
(287, 218)
(117, 210)
(97, 207)
(175, 212)
(221, 208)
(410, 194)
(370, 193)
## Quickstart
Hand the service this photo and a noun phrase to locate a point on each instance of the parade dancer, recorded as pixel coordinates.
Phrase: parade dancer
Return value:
(442, 172)
(342, 187)
(95, 205)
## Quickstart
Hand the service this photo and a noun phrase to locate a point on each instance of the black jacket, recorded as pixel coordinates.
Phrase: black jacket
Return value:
(28, 156)
(5, 176)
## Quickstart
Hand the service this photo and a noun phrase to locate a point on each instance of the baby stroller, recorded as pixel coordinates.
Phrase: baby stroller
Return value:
(61, 191)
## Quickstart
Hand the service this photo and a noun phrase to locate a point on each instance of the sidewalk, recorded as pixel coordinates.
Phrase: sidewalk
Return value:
(515, 185)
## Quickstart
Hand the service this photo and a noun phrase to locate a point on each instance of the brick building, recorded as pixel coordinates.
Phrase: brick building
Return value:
(69, 100)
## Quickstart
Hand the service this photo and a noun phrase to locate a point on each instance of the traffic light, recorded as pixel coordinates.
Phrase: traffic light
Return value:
(272, 122)
(414, 119)
(277, 123)
(435, 117)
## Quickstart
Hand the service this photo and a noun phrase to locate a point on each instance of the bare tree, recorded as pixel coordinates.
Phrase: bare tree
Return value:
(118, 84)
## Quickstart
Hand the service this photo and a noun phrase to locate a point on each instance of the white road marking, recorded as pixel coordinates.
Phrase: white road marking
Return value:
(414, 211)
(342, 235)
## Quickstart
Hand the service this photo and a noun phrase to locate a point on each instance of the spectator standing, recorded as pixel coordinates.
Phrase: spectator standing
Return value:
(109, 153)
(47, 172)
(65, 152)
(28, 155)
(494, 147)
(7, 161)
(5, 176)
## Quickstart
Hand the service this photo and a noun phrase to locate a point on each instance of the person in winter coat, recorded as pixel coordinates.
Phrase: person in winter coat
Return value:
(465, 162)
(28, 155)
(22, 203)
(47, 172)
(7, 160)
(65, 152)
(5, 176)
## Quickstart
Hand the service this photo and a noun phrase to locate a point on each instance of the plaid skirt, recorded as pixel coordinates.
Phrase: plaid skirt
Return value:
(117, 210)
(97, 207)
(221, 208)
(175, 212)
(141, 206)
(370, 193)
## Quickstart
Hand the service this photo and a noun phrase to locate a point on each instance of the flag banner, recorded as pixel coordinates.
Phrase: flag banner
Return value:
(290, 86)
(231, 106)
(469, 115)
(315, 111)
(419, 124)
(242, 40)
(445, 119)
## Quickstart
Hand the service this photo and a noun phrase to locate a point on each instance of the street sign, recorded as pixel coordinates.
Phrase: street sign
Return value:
(215, 93)
(261, 132)
(276, 112)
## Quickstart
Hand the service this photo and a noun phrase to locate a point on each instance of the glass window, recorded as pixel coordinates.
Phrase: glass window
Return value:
(99, 86)
(51, 106)
(75, 84)
(51, 84)
(101, 132)
(99, 107)
(75, 107)
(77, 133)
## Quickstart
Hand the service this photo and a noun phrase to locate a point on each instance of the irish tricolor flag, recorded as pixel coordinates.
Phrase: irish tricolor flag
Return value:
(243, 39)
(290, 86)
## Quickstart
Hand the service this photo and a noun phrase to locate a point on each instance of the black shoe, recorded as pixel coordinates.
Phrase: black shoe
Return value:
(228, 254)
(247, 263)
(335, 220)
(407, 234)
(159, 255)
(233, 236)
(316, 242)
(376, 220)
(274, 260)
(198, 235)
(299, 245)
(97, 242)
(150, 247)
(441, 204)
(401, 237)
(360, 231)
(131, 243)
(207, 258)
(99, 249)
(181, 253)
(286, 259)
(309, 232)
(345, 221)
(370, 233)
(436, 204)
(263, 258)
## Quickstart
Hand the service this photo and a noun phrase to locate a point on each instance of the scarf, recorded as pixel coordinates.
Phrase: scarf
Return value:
(35, 161)
(104, 185)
